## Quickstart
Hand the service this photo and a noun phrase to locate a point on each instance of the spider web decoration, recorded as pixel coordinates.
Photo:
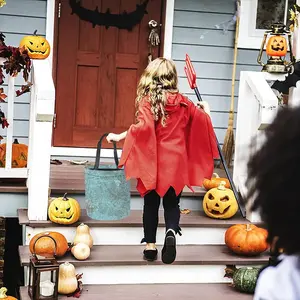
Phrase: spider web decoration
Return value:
(121, 21)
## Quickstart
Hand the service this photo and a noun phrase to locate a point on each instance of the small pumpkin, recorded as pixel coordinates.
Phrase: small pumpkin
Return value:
(246, 239)
(3, 295)
(67, 280)
(81, 251)
(19, 155)
(37, 46)
(220, 203)
(244, 279)
(214, 182)
(276, 46)
(83, 235)
(45, 246)
(64, 210)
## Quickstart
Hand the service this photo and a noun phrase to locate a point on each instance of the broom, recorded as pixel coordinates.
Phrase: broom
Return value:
(228, 146)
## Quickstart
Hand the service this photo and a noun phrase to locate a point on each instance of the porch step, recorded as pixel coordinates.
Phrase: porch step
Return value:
(197, 228)
(125, 265)
(158, 291)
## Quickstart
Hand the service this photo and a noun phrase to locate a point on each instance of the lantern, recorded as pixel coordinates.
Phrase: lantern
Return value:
(276, 50)
(43, 276)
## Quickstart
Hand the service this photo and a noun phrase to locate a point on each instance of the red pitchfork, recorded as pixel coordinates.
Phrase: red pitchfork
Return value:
(191, 76)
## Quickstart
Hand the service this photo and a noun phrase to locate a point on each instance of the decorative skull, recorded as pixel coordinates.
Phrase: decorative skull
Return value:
(220, 203)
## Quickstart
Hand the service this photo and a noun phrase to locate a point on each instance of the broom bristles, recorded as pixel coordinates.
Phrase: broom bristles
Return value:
(228, 146)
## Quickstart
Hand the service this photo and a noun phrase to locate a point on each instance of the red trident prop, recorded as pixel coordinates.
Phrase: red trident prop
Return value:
(191, 76)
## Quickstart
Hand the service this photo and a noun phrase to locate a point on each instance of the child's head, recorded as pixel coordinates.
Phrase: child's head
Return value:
(274, 180)
(159, 77)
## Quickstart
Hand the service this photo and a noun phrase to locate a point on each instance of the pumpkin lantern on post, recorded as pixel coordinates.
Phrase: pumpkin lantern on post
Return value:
(276, 50)
(43, 276)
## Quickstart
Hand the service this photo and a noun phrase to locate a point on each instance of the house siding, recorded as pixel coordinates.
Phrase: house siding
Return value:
(19, 18)
(212, 56)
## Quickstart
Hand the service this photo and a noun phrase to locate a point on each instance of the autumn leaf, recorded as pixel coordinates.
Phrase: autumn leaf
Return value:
(2, 95)
(24, 89)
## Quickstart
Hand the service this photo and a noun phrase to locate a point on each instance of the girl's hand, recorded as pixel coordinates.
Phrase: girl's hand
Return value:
(112, 137)
(204, 105)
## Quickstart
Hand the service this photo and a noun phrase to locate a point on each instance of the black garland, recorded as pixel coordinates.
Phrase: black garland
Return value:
(121, 21)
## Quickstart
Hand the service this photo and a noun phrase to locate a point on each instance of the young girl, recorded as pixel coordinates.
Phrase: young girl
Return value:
(172, 145)
(274, 177)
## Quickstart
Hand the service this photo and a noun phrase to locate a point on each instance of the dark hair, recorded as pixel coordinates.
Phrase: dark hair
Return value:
(274, 180)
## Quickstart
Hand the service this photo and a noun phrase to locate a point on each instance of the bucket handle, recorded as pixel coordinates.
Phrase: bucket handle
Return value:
(98, 154)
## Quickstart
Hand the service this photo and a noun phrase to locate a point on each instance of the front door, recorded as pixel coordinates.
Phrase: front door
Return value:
(97, 72)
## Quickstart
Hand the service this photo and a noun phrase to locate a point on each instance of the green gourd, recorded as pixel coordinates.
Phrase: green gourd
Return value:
(244, 279)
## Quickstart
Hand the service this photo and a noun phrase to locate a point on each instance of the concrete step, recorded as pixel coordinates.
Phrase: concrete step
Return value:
(157, 291)
(197, 229)
(125, 265)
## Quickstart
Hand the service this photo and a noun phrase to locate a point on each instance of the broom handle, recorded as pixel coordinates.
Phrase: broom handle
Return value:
(225, 166)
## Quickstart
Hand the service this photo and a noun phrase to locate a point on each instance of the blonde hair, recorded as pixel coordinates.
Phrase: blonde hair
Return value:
(159, 77)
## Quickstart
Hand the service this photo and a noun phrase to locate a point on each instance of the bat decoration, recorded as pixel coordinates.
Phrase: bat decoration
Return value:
(121, 21)
(290, 80)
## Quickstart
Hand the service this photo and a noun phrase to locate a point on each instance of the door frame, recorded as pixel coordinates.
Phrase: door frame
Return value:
(51, 34)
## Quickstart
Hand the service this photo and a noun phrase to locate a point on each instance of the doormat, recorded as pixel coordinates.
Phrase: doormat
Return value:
(121, 21)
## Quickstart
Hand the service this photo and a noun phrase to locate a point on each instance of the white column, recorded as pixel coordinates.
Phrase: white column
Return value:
(168, 35)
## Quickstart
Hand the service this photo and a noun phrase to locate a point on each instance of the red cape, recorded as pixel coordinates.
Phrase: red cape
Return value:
(180, 154)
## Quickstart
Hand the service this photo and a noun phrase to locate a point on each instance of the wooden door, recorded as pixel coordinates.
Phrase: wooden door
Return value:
(97, 72)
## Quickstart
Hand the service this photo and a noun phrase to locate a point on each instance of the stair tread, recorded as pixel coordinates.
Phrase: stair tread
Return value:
(104, 255)
(193, 219)
(208, 291)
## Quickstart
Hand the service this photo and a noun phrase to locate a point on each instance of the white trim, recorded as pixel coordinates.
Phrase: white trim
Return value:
(50, 28)
(168, 37)
(169, 29)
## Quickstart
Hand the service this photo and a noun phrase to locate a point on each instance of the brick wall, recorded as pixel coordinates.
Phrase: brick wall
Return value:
(2, 244)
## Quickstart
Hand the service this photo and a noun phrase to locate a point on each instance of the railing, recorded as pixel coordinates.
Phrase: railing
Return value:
(257, 107)
(40, 136)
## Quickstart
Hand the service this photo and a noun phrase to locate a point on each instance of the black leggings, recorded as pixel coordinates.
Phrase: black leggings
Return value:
(150, 215)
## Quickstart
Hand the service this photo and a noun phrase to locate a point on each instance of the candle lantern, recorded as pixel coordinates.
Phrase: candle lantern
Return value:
(276, 50)
(43, 276)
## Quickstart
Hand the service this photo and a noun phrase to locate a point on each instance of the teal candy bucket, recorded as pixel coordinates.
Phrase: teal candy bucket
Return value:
(107, 192)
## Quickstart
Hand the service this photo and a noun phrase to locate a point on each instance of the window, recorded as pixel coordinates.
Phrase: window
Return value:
(256, 18)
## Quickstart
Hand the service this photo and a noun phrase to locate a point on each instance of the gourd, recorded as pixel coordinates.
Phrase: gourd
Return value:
(45, 246)
(19, 155)
(246, 239)
(244, 279)
(220, 203)
(3, 295)
(37, 46)
(83, 235)
(81, 251)
(276, 46)
(214, 182)
(64, 210)
(67, 281)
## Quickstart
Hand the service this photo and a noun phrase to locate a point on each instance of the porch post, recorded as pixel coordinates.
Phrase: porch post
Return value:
(40, 139)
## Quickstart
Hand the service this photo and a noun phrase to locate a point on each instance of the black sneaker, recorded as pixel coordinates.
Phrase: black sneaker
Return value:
(150, 254)
(168, 253)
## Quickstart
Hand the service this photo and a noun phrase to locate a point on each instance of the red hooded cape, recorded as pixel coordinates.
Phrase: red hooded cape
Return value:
(177, 155)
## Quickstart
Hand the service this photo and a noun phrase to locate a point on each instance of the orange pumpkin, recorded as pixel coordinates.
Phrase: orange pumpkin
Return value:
(214, 182)
(3, 295)
(45, 246)
(246, 239)
(276, 46)
(19, 155)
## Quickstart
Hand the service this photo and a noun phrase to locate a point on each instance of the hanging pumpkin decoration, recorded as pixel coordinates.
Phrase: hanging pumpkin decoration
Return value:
(246, 239)
(19, 155)
(3, 295)
(214, 182)
(45, 246)
(244, 279)
(83, 235)
(64, 210)
(67, 280)
(276, 46)
(37, 46)
(220, 203)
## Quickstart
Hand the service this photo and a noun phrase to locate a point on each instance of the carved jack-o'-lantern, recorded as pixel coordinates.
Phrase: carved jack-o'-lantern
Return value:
(220, 203)
(64, 210)
(276, 46)
(37, 46)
